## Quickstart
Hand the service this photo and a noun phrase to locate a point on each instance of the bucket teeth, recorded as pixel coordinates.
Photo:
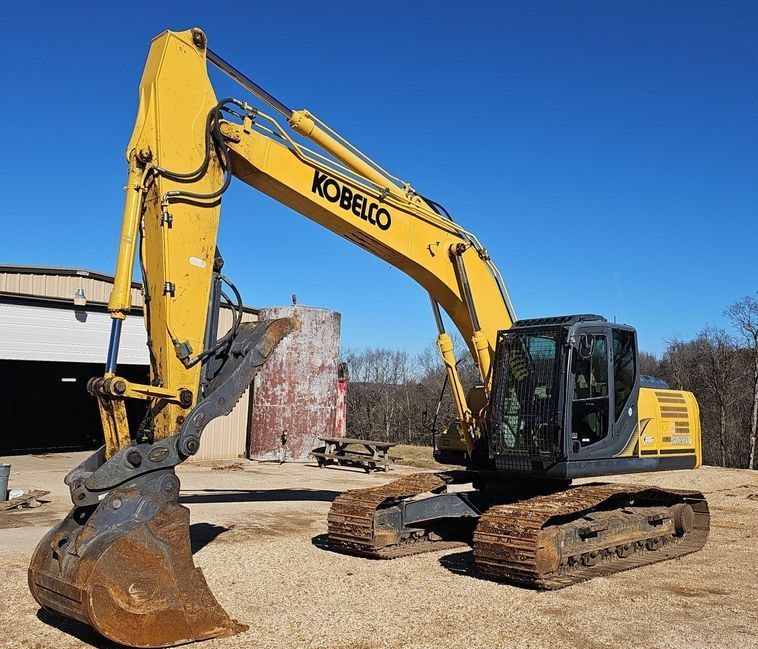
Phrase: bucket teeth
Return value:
(133, 581)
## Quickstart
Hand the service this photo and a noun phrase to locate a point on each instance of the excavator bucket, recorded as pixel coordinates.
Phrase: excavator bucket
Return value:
(129, 576)
(121, 561)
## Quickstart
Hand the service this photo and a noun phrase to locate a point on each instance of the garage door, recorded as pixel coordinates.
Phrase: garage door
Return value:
(42, 333)
(68, 418)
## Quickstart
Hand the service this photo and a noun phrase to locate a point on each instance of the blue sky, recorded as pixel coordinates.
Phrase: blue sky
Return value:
(606, 153)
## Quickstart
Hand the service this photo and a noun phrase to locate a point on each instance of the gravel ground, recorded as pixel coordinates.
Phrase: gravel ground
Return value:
(254, 526)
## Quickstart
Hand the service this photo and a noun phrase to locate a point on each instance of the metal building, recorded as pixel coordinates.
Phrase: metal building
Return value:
(54, 329)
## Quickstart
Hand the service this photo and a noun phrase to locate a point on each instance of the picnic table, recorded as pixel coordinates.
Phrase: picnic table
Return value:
(369, 454)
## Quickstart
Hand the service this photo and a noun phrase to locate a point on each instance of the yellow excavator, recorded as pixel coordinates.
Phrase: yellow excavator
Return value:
(559, 397)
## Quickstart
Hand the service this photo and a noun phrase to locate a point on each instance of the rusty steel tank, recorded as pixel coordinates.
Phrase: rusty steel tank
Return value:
(294, 396)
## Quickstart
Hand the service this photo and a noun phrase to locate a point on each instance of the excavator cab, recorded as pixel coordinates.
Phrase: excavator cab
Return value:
(564, 397)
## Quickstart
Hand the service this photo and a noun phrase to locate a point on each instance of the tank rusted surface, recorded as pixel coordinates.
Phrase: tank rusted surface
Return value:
(294, 396)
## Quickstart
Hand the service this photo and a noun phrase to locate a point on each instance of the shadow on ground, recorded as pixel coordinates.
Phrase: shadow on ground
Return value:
(460, 563)
(258, 495)
(201, 534)
(80, 631)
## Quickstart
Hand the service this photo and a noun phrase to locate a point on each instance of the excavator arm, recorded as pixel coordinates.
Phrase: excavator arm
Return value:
(121, 560)
(185, 148)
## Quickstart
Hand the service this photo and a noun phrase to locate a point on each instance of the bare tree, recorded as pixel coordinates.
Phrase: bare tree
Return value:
(713, 367)
(378, 400)
(433, 378)
(649, 364)
(393, 396)
(676, 364)
(718, 373)
(744, 315)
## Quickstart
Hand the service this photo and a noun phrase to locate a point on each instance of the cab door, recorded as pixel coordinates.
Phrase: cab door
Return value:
(588, 393)
(602, 391)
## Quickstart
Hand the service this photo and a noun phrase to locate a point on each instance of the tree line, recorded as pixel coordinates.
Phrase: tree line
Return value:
(399, 397)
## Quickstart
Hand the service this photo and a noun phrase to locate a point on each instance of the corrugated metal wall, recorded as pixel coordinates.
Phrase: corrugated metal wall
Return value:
(61, 286)
(224, 438)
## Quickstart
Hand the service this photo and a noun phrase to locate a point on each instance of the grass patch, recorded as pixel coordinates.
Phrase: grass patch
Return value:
(418, 456)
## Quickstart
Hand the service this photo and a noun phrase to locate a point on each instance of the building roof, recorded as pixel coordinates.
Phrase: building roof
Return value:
(56, 284)
(64, 272)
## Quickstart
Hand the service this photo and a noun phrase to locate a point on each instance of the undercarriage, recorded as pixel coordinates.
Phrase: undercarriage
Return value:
(522, 532)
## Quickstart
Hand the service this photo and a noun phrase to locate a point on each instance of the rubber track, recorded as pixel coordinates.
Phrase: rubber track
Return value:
(508, 538)
(351, 516)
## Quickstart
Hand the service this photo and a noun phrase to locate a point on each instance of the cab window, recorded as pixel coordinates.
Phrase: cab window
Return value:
(624, 369)
(591, 373)
(590, 408)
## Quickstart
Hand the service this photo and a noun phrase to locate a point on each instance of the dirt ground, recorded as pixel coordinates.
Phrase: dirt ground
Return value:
(255, 533)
